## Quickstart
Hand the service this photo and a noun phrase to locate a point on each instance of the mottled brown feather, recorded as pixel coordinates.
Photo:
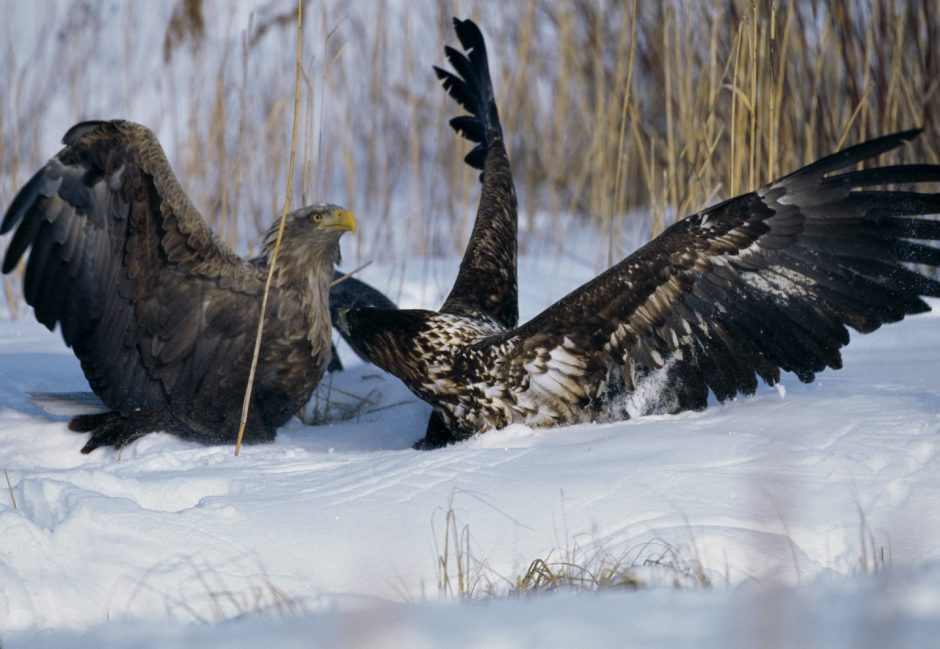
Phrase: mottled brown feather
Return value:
(762, 283)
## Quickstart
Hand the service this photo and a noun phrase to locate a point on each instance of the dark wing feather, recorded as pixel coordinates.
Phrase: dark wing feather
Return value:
(762, 282)
(486, 285)
(348, 292)
(124, 263)
(351, 293)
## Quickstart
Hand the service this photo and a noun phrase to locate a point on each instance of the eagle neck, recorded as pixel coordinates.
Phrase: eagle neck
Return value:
(307, 274)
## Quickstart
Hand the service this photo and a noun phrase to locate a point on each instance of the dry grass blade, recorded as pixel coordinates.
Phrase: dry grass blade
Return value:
(280, 233)
(10, 487)
(594, 567)
(455, 556)
(207, 594)
(546, 576)
(332, 404)
(355, 270)
(618, 207)
(389, 406)
(616, 111)
(873, 558)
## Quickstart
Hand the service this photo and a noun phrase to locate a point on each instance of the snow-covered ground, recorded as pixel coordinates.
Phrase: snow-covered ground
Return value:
(804, 516)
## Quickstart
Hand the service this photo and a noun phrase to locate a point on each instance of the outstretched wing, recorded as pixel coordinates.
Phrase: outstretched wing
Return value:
(486, 285)
(762, 282)
(122, 261)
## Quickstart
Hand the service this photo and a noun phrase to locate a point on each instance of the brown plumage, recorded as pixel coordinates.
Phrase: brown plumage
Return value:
(161, 313)
(485, 292)
(760, 283)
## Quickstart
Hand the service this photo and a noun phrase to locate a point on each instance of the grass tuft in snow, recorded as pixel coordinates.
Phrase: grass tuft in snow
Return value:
(547, 575)
(610, 109)
(575, 568)
(211, 595)
(459, 573)
(873, 558)
(332, 404)
(578, 569)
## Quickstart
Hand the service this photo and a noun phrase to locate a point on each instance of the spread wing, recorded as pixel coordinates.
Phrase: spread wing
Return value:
(762, 282)
(486, 285)
(143, 291)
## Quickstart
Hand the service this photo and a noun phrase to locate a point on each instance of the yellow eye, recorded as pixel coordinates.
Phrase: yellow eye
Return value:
(317, 216)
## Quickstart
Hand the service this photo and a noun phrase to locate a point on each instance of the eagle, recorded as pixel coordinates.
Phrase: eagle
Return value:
(159, 311)
(764, 282)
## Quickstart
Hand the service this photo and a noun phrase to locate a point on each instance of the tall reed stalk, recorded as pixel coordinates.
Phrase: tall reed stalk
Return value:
(614, 111)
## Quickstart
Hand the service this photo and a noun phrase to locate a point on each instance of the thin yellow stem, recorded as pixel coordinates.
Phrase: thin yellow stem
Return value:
(618, 177)
(343, 278)
(280, 235)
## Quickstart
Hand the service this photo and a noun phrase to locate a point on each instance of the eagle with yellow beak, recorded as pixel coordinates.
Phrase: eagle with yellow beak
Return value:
(160, 312)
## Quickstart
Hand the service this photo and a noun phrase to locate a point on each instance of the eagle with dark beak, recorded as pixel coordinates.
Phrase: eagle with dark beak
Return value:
(764, 282)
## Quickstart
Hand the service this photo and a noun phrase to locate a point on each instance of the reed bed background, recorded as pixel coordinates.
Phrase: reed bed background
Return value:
(620, 115)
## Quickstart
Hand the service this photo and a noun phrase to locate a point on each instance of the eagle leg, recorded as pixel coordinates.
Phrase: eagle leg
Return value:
(336, 365)
(437, 435)
(110, 429)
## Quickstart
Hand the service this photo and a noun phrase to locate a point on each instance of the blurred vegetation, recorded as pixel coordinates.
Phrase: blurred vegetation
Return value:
(616, 112)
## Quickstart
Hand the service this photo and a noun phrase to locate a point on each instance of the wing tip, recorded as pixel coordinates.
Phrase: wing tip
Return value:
(78, 131)
(471, 86)
(910, 133)
(850, 155)
(892, 140)
(21, 203)
(469, 34)
(9, 262)
(875, 146)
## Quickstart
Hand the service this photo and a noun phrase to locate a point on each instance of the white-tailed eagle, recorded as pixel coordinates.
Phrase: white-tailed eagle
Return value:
(161, 313)
(763, 282)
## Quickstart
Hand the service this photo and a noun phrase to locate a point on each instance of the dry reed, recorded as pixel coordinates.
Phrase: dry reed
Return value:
(10, 488)
(272, 264)
(613, 110)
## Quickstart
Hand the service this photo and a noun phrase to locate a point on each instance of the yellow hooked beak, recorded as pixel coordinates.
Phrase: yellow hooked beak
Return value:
(338, 220)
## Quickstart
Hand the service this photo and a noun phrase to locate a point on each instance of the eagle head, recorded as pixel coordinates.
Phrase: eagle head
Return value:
(311, 234)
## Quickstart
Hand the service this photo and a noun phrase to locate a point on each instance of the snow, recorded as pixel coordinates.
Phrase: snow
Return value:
(872, 613)
(806, 516)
